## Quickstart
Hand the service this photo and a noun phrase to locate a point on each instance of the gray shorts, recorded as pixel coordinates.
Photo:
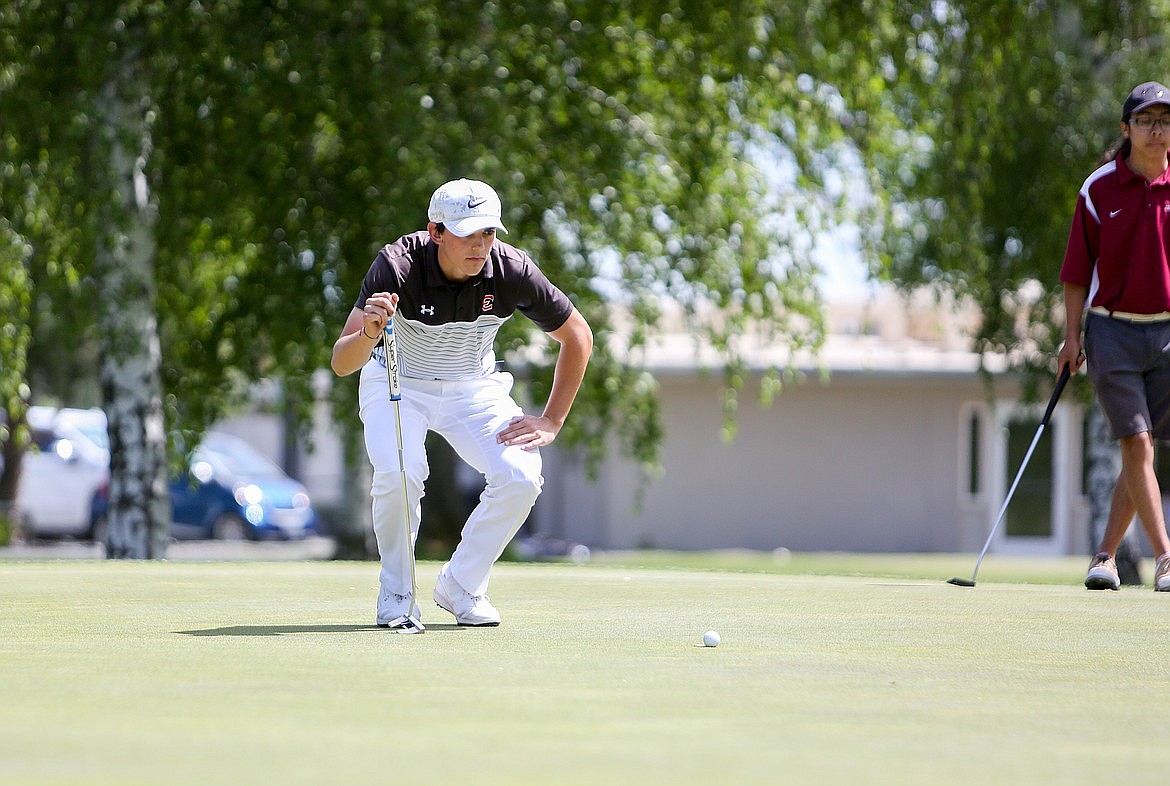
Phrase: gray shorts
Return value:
(1129, 366)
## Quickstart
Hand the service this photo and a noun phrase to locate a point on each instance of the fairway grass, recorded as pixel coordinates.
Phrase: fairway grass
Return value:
(256, 673)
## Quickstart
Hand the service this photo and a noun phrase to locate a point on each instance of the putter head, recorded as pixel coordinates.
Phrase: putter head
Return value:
(407, 623)
(958, 582)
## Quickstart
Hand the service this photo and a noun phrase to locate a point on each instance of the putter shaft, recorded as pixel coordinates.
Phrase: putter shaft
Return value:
(391, 345)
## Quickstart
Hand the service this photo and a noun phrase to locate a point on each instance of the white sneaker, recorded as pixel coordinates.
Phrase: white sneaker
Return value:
(469, 610)
(393, 607)
(1162, 574)
(1102, 573)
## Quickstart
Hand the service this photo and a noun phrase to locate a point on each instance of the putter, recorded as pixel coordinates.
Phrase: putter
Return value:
(408, 622)
(1060, 383)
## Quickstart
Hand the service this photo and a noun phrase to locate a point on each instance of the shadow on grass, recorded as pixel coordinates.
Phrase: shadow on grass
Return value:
(284, 630)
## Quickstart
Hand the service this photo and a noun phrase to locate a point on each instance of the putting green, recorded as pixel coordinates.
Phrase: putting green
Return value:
(189, 673)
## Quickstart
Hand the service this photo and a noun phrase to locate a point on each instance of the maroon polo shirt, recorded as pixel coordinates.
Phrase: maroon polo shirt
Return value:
(1117, 245)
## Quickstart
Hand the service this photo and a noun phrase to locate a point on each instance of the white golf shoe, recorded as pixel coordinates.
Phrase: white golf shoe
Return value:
(470, 610)
(1162, 574)
(393, 609)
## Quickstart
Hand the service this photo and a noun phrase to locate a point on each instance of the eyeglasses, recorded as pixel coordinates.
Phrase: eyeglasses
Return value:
(1147, 122)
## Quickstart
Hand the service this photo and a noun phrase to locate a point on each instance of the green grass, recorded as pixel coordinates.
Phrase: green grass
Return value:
(834, 669)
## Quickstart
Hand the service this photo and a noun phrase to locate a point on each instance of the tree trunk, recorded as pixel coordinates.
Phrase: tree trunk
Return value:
(1104, 469)
(139, 507)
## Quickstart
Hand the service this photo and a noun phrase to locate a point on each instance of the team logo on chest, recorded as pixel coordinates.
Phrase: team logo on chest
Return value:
(427, 310)
(488, 300)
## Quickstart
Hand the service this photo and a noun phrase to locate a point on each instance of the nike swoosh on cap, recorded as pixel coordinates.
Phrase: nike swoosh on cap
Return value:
(472, 204)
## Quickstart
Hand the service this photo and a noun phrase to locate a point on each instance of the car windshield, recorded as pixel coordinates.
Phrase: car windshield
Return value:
(95, 433)
(237, 457)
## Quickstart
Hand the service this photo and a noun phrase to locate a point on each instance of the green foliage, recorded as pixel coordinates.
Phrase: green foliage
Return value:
(290, 141)
(1006, 108)
(15, 298)
(664, 164)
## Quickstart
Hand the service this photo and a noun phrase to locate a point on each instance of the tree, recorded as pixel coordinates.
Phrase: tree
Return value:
(227, 172)
(86, 166)
(1008, 107)
(139, 505)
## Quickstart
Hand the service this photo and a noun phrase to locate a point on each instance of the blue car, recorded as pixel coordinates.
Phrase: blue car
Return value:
(233, 492)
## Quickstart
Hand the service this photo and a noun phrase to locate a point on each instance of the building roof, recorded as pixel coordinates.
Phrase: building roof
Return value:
(684, 353)
(919, 333)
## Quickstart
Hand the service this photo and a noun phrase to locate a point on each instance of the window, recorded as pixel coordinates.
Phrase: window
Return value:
(975, 446)
(1030, 512)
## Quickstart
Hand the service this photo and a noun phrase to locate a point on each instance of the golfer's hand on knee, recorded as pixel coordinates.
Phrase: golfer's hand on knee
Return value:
(528, 431)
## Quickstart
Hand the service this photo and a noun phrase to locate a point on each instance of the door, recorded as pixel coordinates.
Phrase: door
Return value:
(1034, 521)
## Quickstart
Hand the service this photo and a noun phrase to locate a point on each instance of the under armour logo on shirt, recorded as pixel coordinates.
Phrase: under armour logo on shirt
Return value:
(428, 310)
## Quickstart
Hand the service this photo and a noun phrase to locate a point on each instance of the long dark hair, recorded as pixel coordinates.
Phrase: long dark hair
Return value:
(1119, 149)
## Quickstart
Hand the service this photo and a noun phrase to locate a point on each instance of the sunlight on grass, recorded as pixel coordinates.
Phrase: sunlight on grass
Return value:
(832, 668)
(1030, 570)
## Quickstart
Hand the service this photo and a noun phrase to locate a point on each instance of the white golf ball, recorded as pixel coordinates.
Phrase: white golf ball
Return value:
(711, 638)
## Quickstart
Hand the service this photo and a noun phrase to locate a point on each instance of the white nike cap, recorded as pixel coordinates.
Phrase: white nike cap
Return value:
(466, 206)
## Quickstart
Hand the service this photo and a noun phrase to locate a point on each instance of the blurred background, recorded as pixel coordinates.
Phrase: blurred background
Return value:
(818, 243)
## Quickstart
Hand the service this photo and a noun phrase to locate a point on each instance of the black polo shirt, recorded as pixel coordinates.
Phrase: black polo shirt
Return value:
(447, 329)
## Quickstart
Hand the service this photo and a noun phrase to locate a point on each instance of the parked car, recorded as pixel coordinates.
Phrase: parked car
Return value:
(230, 491)
(64, 475)
(233, 491)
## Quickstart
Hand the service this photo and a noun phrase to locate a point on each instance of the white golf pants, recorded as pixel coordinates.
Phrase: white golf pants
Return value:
(468, 414)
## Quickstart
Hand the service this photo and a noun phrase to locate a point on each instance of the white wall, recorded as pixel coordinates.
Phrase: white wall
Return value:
(873, 460)
(866, 462)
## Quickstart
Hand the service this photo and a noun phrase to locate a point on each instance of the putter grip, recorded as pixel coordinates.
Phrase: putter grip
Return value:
(392, 361)
(1061, 381)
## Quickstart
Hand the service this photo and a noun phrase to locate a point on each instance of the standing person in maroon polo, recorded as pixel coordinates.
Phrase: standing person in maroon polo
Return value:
(1115, 267)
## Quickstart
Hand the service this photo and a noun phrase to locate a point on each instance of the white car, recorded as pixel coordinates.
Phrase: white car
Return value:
(64, 474)
(230, 492)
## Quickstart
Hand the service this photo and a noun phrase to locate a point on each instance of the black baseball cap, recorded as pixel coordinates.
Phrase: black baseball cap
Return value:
(1144, 95)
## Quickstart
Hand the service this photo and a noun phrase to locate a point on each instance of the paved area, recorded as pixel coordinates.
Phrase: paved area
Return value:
(182, 551)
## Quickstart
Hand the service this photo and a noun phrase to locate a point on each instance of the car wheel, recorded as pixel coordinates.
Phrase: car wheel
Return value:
(229, 526)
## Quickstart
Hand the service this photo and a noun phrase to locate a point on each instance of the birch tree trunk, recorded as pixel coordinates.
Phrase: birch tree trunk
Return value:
(139, 508)
(1104, 469)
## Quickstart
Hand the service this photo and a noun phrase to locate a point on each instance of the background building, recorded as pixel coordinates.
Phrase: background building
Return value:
(893, 441)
